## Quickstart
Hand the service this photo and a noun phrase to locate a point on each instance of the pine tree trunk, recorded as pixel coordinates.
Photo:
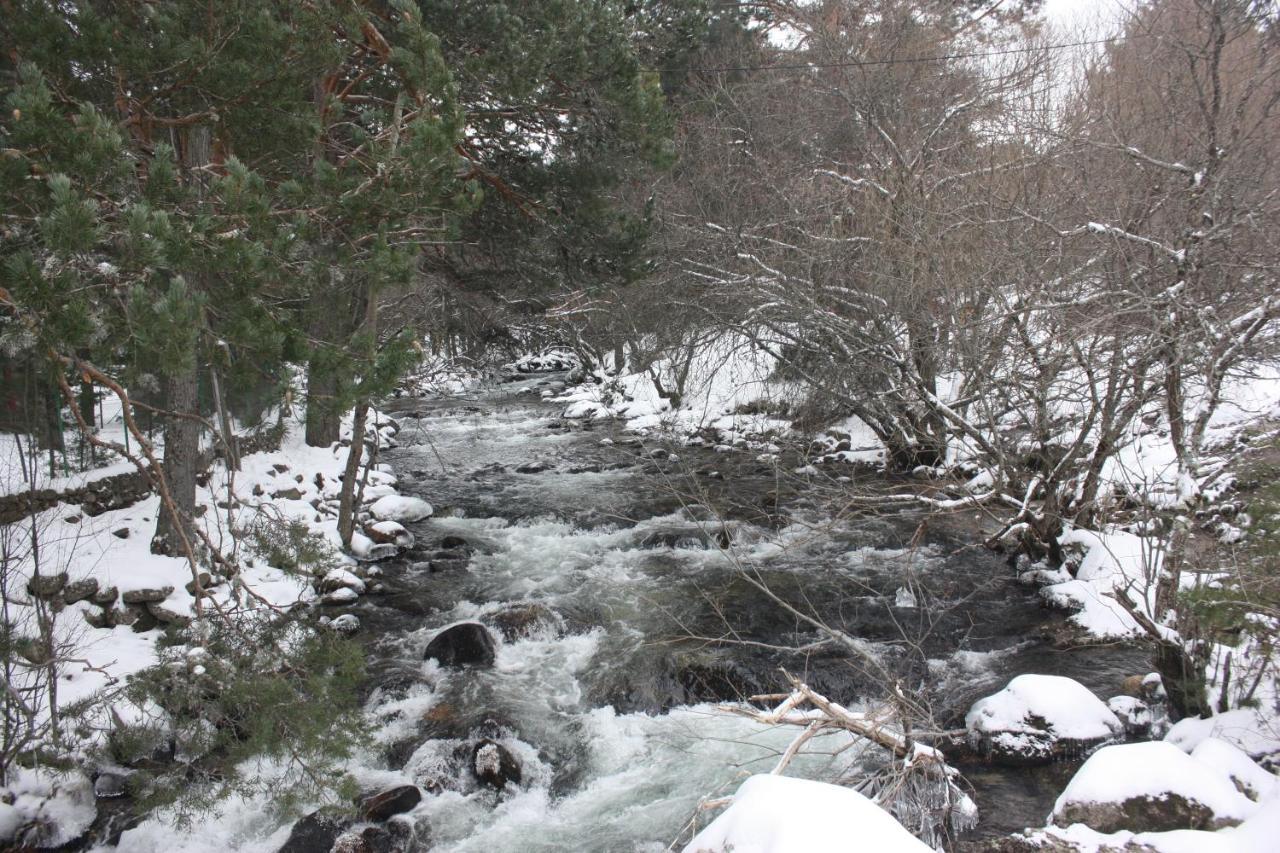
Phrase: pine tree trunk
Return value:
(327, 325)
(181, 389)
(181, 461)
(347, 503)
(324, 421)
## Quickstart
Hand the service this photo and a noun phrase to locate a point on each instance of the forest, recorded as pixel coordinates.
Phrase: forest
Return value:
(540, 425)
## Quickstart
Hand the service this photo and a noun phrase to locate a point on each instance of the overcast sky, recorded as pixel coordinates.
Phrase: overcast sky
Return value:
(1091, 13)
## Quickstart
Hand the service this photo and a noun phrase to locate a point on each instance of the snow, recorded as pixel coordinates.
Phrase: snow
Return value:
(400, 508)
(64, 803)
(779, 814)
(1248, 729)
(1066, 706)
(1252, 780)
(1115, 563)
(1154, 769)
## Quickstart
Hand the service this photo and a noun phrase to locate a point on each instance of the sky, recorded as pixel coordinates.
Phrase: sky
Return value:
(1067, 13)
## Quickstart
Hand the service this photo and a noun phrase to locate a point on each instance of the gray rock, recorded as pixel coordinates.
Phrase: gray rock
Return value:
(167, 615)
(494, 765)
(80, 590)
(106, 597)
(390, 802)
(146, 595)
(110, 785)
(1163, 813)
(46, 586)
(347, 623)
(463, 644)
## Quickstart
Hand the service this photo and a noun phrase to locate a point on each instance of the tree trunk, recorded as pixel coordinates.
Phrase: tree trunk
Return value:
(324, 410)
(347, 504)
(181, 461)
(174, 532)
(324, 421)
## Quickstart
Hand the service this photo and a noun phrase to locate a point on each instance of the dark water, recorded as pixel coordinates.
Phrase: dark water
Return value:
(629, 571)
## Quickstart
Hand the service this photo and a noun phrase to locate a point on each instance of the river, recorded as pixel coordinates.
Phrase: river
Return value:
(620, 572)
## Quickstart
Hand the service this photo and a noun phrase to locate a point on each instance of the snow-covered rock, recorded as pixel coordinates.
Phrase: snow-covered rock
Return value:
(343, 595)
(779, 814)
(1250, 779)
(1149, 787)
(400, 508)
(339, 579)
(1248, 729)
(366, 550)
(1038, 718)
(389, 533)
(1133, 713)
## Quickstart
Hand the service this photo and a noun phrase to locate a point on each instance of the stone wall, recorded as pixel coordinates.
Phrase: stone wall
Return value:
(120, 490)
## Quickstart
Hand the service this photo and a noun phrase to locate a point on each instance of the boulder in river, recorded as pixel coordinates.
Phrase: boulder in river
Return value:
(462, 644)
(772, 814)
(494, 765)
(389, 533)
(1039, 718)
(316, 833)
(1133, 713)
(390, 802)
(400, 508)
(1149, 787)
(526, 621)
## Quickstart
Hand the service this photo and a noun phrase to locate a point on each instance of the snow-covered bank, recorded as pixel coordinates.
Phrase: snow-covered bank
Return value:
(725, 393)
(90, 606)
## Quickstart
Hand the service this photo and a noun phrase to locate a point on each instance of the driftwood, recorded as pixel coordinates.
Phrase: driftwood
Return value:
(918, 787)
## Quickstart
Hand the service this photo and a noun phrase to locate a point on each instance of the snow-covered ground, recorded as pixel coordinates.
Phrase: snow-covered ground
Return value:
(277, 500)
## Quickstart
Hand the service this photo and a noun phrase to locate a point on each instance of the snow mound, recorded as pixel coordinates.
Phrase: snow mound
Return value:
(1250, 779)
(1114, 563)
(1248, 729)
(1039, 717)
(779, 814)
(1151, 786)
(400, 508)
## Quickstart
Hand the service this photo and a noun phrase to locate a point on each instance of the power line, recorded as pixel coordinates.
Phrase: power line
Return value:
(907, 60)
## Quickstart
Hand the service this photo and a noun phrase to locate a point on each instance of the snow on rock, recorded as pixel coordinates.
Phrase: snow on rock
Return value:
(1038, 718)
(44, 809)
(1133, 713)
(1248, 729)
(1149, 787)
(1250, 779)
(340, 596)
(340, 578)
(366, 550)
(779, 814)
(389, 533)
(400, 508)
(1114, 563)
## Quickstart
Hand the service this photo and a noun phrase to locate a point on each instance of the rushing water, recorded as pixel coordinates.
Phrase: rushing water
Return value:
(609, 702)
(623, 574)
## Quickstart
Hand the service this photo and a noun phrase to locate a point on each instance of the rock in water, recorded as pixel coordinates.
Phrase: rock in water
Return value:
(315, 833)
(779, 814)
(1039, 718)
(526, 621)
(389, 533)
(392, 801)
(1149, 787)
(494, 765)
(462, 644)
(399, 508)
